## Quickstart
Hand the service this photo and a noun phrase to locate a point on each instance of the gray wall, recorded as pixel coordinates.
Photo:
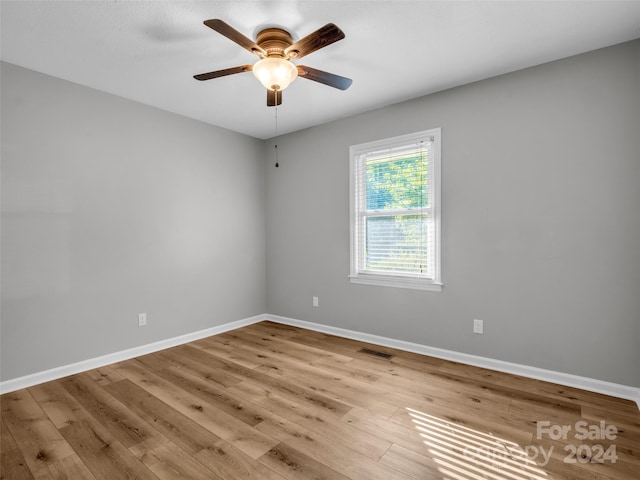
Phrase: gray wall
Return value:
(111, 208)
(541, 220)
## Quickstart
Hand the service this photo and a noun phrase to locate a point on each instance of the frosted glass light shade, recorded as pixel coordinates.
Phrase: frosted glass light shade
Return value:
(275, 73)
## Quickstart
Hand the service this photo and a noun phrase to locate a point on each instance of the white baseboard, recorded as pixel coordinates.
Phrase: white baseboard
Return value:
(584, 383)
(567, 379)
(97, 362)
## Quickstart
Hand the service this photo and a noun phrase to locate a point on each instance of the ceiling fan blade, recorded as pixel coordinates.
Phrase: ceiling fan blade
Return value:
(274, 97)
(222, 73)
(232, 34)
(322, 37)
(335, 81)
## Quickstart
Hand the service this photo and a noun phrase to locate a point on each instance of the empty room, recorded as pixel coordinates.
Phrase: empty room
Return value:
(341, 240)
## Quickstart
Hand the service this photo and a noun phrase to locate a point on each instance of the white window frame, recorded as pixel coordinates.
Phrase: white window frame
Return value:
(357, 154)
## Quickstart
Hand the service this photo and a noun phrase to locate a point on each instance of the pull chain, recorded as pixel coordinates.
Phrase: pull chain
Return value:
(276, 145)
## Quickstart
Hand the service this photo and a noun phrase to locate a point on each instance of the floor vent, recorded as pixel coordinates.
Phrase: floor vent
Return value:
(375, 353)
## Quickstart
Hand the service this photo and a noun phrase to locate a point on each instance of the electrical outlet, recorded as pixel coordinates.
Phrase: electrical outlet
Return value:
(478, 326)
(315, 301)
(142, 319)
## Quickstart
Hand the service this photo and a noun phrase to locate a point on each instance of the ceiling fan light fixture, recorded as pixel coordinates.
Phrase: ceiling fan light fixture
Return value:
(276, 48)
(275, 73)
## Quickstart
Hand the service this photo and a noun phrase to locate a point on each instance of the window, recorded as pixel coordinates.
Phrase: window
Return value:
(395, 211)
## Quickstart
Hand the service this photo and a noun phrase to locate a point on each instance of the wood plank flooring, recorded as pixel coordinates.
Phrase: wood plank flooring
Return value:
(275, 402)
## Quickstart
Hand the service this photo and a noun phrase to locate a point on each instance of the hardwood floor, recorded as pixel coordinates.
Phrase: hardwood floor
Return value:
(275, 402)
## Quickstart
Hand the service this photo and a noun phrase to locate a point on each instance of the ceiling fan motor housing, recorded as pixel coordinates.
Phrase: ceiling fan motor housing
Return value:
(274, 41)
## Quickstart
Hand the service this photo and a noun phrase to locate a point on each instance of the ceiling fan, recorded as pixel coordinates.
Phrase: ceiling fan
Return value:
(276, 49)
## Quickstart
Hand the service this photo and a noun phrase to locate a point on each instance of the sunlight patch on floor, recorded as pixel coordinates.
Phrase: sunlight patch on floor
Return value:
(463, 453)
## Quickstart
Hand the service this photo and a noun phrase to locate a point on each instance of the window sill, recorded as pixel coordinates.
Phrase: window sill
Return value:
(396, 282)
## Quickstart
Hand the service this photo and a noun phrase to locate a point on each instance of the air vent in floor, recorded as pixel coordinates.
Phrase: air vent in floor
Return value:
(375, 353)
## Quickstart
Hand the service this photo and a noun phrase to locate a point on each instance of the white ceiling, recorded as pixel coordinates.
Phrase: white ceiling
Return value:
(148, 51)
